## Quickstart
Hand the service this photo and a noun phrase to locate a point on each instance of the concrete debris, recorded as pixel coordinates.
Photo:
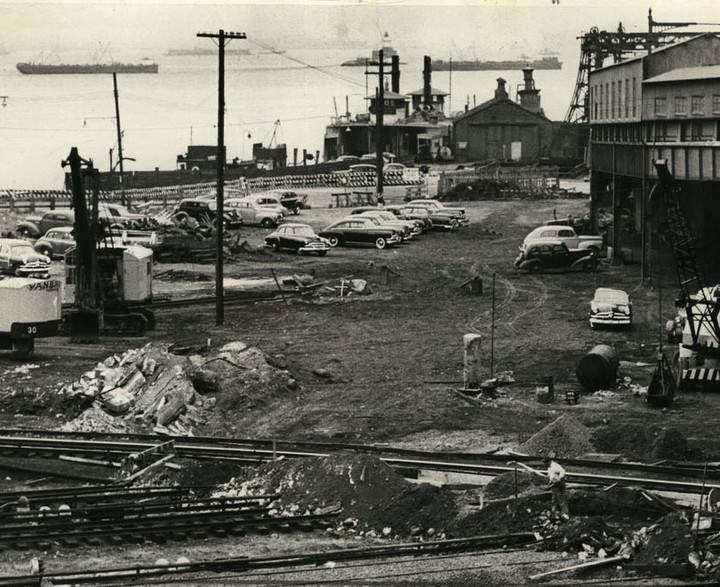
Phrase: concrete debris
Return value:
(565, 436)
(151, 389)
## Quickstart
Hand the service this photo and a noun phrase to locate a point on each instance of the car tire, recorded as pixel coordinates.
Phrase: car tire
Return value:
(594, 250)
(380, 243)
(588, 266)
(180, 217)
(333, 241)
(24, 233)
(47, 251)
(267, 223)
(536, 267)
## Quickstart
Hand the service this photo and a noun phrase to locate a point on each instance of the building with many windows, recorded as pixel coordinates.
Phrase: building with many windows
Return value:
(664, 105)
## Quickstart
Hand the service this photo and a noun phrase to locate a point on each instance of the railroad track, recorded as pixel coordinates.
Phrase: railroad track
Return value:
(683, 479)
(140, 573)
(158, 520)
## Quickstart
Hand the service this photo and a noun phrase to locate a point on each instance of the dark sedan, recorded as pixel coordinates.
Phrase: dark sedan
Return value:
(350, 231)
(300, 238)
(439, 220)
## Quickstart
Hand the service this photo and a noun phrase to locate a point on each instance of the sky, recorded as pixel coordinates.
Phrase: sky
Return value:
(488, 28)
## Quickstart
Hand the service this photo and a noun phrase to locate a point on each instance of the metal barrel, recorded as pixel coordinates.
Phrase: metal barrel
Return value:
(598, 368)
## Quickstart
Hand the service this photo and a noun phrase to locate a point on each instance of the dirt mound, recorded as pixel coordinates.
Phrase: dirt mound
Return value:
(372, 495)
(669, 542)
(565, 436)
(640, 442)
(501, 517)
(588, 534)
(504, 485)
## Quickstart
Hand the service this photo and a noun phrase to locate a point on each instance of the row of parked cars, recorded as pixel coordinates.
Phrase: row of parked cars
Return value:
(380, 227)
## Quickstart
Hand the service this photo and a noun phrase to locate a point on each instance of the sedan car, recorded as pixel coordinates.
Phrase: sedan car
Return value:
(610, 307)
(205, 211)
(409, 228)
(55, 242)
(300, 238)
(438, 220)
(17, 257)
(359, 231)
(434, 205)
(554, 254)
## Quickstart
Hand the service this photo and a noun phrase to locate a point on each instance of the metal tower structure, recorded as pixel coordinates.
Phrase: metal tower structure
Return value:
(597, 46)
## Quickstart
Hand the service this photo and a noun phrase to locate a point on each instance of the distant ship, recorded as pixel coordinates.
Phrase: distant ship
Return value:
(478, 65)
(388, 52)
(85, 68)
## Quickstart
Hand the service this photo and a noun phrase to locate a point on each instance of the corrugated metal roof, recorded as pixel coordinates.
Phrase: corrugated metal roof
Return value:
(686, 74)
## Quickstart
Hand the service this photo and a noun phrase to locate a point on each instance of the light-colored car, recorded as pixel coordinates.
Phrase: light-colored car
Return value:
(438, 207)
(253, 213)
(409, 227)
(363, 168)
(394, 167)
(610, 307)
(119, 216)
(55, 242)
(567, 235)
(268, 200)
(19, 258)
(348, 158)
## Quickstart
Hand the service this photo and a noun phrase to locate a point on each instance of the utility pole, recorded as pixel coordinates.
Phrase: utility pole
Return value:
(379, 112)
(119, 140)
(223, 38)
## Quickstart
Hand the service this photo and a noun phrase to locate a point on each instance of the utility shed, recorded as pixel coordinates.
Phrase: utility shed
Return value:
(503, 130)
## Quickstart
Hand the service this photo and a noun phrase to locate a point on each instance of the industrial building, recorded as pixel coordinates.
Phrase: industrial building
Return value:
(664, 105)
(510, 131)
(415, 126)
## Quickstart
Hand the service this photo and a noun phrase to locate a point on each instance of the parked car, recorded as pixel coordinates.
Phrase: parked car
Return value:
(422, 216)
(17, 257)
(438, 220)
(363, 168)
(255, 214)
(300, 238)
(267, 200)
(205, 211)
(457, 213)
(567, 235)
(610, 307)
(402, 231)
(539, 256)
(55, 242)
(36, 226)
(120, 217)
(394, 167)
(348, 158)
(291, 201)
(359, 231)
(409, 227)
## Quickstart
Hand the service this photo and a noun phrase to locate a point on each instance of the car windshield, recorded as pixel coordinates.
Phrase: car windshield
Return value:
(610, 297)
(21, 250)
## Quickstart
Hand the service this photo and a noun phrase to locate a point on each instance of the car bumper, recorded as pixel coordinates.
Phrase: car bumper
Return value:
(314, 248)
(394, 239)
(30, 269)
(610, 320)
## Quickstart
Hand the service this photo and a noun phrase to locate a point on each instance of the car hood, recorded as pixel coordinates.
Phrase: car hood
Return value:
(30, 257)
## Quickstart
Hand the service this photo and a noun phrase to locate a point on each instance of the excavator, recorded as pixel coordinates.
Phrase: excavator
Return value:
(696, 364)
(110, 284)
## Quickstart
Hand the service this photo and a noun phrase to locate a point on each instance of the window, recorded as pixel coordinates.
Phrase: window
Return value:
(565, 233)
(627, 99)
(660, 106)
(612, 103)
(716, 104)
(680, 105)
(633, 96)
(697, 105)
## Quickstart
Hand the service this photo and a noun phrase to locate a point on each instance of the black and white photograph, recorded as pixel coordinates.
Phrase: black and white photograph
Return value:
(359, 292)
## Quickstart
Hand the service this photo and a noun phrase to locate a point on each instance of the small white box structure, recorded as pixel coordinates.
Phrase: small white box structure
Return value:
(31, 301)
(137, 273)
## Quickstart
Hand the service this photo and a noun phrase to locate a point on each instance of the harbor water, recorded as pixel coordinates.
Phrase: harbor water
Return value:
(162, 113)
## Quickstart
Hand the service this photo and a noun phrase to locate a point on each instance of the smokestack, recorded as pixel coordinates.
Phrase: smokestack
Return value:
(500, 91)
(427, 75)
(529, 95)
(395, 74)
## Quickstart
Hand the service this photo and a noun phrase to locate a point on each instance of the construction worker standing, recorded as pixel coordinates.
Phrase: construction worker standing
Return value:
(556, 483)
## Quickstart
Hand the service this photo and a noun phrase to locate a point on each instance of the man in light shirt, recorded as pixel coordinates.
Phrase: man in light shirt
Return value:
(556, 483)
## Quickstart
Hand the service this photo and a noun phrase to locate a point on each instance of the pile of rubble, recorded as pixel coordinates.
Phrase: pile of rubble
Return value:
(374, 499)
(565, 436)
(151, 388)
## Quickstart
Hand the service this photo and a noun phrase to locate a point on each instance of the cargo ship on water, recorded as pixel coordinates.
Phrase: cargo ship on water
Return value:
(505, 65)
(31, 68)
(388, 53)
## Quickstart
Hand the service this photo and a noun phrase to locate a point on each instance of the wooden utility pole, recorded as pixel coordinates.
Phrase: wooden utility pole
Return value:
(379, 112)
(119, 140)
(223, 37)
